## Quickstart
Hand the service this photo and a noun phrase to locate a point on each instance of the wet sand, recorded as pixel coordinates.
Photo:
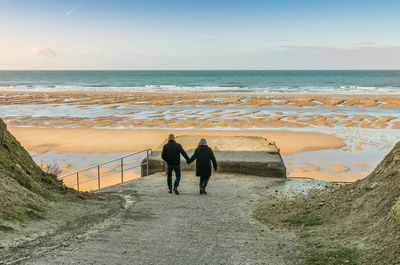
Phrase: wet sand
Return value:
(94, 142)
(339, 173)
(191, 110)
(76, 140)
(164, 99)
(84, 122)
(237, 120)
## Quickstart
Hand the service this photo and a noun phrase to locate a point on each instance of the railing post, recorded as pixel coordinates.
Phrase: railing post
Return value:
(98, 177)
(147, 162)
(77, 180)
(122, 170)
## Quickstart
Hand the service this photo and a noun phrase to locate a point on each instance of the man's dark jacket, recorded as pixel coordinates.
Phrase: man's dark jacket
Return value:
(203, 156)
(171, 153)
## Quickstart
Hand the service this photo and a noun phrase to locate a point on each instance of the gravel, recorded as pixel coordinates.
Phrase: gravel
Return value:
(162, 228)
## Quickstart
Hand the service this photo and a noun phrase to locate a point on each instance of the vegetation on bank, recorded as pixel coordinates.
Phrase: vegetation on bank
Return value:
(25, 189)
(346, 224)
(335, 257)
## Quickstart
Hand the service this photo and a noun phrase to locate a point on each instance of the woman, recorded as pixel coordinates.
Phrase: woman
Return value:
(203, 156)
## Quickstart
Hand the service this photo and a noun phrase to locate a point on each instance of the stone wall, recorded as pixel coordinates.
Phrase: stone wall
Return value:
(263, 159)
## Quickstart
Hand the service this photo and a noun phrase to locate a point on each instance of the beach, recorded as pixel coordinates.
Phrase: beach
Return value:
(187, 110)
(42, 140)
(75, 149)
(328, 125)
(334, 137)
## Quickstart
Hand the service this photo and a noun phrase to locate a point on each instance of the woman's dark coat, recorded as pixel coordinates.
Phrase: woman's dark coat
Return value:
(203, 156)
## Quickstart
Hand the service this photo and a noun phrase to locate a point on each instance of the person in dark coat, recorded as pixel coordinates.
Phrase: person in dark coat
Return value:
(171, 154)
(203, 156)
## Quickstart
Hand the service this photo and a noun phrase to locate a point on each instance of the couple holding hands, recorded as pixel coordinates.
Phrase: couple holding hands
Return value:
(203, 155)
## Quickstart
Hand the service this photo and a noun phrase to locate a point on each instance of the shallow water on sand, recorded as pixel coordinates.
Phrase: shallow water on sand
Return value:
(334, 165)
(369, 125)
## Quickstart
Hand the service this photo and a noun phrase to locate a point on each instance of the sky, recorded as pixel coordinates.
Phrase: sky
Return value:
(206, 34)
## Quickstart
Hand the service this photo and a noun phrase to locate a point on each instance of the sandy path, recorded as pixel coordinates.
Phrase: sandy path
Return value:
(162, 228)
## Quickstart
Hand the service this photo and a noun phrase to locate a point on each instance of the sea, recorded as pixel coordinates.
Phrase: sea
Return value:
(238, 81)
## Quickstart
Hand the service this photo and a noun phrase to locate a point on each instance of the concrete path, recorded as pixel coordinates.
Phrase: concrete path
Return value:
(162, 228)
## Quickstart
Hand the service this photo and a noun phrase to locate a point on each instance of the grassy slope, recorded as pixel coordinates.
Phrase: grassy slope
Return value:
(24, 187)
(354, 223)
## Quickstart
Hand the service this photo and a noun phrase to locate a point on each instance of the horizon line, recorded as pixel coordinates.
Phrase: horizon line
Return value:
(334, 69)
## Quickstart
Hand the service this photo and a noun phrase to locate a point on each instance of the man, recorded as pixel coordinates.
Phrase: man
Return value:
(171, 154)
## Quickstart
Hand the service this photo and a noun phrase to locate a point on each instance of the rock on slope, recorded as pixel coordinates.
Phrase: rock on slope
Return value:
(361, 220)
(24, 187)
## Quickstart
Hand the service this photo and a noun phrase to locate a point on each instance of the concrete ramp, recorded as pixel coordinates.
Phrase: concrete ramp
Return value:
(251, 155)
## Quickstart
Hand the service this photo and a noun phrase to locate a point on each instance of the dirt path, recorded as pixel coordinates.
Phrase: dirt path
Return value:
(162, 228)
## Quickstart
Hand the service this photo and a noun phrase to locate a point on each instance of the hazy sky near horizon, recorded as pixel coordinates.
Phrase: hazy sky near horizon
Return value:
(218, 34)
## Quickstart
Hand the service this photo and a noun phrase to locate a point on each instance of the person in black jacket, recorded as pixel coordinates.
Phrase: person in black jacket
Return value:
(171, 154)
(203, 156)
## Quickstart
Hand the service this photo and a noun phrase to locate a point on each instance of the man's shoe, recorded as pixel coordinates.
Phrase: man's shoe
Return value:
(204, 191)
(170, 191)
(176, 191)
(201, 191)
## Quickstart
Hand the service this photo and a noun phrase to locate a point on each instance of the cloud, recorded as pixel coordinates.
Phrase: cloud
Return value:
(313, 49)
(368, 43)
(366, 50)
(322, 57)
(71, 10)
(43, 51)
(275, 40)
(210, 39)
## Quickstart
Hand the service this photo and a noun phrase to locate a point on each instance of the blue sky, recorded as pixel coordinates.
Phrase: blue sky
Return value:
(219, 34)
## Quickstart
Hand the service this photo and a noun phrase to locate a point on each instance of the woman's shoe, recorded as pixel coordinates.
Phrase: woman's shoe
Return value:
(204, 191)
(201, 191)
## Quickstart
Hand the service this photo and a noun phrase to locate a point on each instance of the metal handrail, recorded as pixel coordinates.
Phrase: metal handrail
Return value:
(107, 162)
(148, 151)
(109, 174)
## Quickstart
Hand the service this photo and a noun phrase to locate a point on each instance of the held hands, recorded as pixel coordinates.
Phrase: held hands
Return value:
(215, 168)
(187, 161)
